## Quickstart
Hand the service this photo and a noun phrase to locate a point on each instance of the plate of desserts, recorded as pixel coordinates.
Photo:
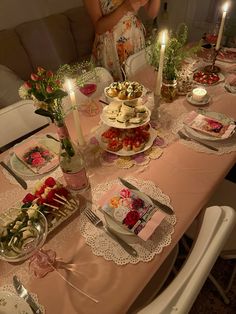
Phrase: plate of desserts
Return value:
(126, 142)
(127, 91)
(123, 116)
(208, 79)
(227, 55)
(209, 125)
(35, 156)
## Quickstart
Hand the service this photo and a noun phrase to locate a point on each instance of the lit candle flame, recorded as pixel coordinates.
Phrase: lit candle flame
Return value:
(225, 7)
(163, 37)
(69, 85)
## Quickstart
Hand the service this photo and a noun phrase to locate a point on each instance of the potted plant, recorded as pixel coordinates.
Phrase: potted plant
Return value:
(175, 52)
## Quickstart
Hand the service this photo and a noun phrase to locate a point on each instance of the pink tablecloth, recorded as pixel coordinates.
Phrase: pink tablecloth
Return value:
(187, 176)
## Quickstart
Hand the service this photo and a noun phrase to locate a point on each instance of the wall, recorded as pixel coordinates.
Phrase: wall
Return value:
(14, 12)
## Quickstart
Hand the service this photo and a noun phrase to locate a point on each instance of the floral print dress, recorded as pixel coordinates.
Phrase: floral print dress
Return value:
(112, 48)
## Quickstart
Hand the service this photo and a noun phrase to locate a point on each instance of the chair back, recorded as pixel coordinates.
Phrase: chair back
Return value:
(179, 296)
(134, 63)
(18, 120)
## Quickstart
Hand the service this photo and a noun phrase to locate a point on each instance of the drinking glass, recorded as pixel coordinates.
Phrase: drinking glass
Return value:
(88, 80)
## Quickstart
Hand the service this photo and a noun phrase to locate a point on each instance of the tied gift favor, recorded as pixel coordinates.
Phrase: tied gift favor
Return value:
(209, 125)
(132, 210)
(36, 156)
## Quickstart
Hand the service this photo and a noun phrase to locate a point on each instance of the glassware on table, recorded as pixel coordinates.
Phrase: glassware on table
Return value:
(87, 81)
(185, 81)
(73, 168)
(22, 240)
(71, 160)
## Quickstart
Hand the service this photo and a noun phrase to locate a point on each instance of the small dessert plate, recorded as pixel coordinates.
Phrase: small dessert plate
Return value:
(203, 102)
(230, 89)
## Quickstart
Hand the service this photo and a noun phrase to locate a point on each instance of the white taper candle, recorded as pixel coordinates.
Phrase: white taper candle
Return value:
(161, 65)
(79, 133)
(225, 9)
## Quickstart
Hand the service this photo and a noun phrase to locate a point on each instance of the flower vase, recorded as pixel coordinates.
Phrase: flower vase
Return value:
(71, 160)
(169, 90)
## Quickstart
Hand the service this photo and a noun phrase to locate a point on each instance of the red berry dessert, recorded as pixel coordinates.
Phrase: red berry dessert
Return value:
(206, 78)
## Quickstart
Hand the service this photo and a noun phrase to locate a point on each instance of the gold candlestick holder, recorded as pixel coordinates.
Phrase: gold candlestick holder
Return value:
(212, 68)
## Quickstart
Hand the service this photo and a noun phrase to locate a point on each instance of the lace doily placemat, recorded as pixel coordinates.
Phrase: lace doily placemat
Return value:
(224, 146)
(10, 288)
(102, 245)
(125, 162)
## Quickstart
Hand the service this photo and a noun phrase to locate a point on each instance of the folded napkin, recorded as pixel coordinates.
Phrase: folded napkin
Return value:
(208, 125)
(132, 210)
(36, 156)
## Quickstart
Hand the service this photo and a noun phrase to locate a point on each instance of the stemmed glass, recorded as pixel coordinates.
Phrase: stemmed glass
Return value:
(87, 81)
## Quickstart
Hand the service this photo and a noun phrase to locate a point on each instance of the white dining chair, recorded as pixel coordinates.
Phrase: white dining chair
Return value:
(18, 120)
(134, 63)
(104, 78)
(217, 223)
(224, 195)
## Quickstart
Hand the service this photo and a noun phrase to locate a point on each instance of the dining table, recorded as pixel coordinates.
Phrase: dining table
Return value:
(185, 172)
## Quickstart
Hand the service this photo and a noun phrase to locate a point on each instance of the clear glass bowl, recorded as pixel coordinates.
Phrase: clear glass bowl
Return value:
(29, 245)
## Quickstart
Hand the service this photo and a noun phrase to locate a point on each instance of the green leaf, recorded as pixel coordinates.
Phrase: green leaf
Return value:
(45, 113)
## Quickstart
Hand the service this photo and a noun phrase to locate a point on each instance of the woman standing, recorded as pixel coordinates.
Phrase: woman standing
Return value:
(119, 33)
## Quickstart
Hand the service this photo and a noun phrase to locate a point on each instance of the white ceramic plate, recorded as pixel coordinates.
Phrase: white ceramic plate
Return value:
(221, 79)
(204, 102)
(116, 227)
(123, 152)
(23, 170)
(230, 89)
(227, 60)
(10, 303)
(215, 115)
(119, 125)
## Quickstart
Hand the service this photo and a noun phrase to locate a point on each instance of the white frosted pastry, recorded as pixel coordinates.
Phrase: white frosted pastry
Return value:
(126, 110)
(122, 117)
(140, 109)
(113, 107)
(135, 120)
(111, 116)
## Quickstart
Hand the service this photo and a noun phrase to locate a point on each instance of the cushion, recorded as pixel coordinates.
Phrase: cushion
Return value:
(13, 54)
(48, 41)
(9, 85)
(82, 29)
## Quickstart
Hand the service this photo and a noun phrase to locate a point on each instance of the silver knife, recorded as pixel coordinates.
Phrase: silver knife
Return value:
(18, 179)
(163, 207)
(24, 294)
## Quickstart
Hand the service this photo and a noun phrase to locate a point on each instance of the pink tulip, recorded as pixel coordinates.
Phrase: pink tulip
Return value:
(40, 70)
(27, 85)
(34, 77)
(49, 89)
(37, 86)
(49, 74)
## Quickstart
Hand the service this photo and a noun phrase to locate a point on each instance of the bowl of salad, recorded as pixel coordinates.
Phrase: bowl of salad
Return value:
(22, 232)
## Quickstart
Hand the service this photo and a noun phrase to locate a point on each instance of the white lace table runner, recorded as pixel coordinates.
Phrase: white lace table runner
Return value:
(10, 288)
(102, 245)
(224, 146)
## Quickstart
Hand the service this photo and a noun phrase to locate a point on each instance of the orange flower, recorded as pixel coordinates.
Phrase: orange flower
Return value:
(114, 202)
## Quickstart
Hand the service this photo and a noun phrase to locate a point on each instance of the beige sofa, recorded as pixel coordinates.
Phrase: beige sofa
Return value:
(49, 42)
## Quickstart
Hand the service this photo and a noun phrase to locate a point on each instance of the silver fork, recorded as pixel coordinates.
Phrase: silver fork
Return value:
(188, 138)
(97, 222)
